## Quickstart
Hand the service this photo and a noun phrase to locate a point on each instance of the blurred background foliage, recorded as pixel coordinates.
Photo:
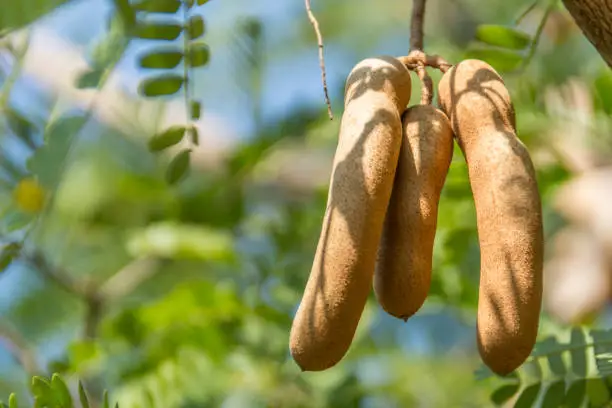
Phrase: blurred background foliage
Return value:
(182, 294)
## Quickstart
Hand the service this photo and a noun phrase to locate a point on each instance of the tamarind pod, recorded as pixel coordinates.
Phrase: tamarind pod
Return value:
(403, 271)
(508, 212)
(376, 92)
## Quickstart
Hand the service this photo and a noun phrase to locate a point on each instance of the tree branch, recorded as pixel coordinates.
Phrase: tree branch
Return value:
(59, 277)
(315, 25)
(594, 18)
(416, 25)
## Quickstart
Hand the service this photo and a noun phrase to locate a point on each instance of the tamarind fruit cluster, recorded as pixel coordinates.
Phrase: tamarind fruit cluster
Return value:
(380, 223)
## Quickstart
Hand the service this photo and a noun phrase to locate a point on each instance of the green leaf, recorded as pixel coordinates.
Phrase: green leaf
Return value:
(161, 85)
(199, 55)
(167, 138)
(196, 27)
(602, 340)
(62, 395)
(196, 110)
(575, 394)
(89, 79)
(201, 2)
(603, 90)
(105, 399)
(528, 396)
(158, 6)
(501, 36)
(195, 135)
(41, 389)
(158, 31)
(597, 392)
(555, 394)
(178, 167)
(502, 60)
(83, 396)
(2, 405)
(47, 163)
(17, 14)
(181, 241)
(20, 125)
(8, 253)
(553, 350)
(126, 12)
(578, 353)
(504, 393)
(161, 59)
(12, 402)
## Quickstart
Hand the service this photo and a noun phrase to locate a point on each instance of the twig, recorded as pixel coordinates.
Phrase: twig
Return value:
(128, 278)
(416, 25)
(315, 25)
(426, 85)
(20, 349)
(538, 34)
(524, 14)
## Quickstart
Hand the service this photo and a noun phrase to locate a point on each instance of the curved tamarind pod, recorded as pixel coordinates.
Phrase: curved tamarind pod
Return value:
(376, 91)
(403, 270)
(508, 212)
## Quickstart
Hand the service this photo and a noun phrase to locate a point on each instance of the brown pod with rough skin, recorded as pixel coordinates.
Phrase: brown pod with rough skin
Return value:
(508, 212)
(377, 91)
(403, 270)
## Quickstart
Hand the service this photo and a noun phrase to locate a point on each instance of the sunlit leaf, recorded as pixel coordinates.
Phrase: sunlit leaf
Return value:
(504, 393)
(41, 389)
(199, 54)
(161, 85)
(502, 36)
(597, 392)
(501, 59)
(62, 394)
(158, 31)
(178, 167)
(161, 59)
(196, 27)
(171, 240)
(528, 396)
(158, 6)
(169, 137)
(603, 90)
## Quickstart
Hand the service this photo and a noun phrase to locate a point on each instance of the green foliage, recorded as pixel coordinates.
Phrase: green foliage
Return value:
(557, 373)
(16, 14)
(54, 393)
(506, 37)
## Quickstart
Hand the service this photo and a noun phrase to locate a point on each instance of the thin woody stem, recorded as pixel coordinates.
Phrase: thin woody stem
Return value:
(416, 25)
(315, 25)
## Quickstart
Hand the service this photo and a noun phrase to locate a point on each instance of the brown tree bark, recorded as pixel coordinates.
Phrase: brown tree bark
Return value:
(594, 17)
